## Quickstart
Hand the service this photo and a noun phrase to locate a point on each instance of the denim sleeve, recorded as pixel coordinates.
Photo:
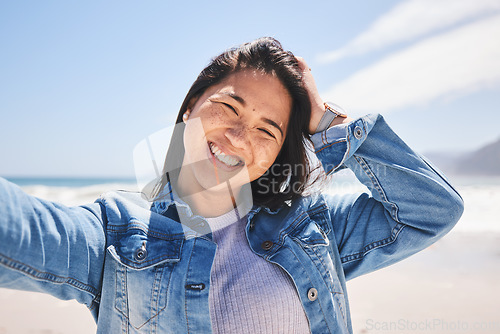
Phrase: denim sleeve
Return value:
(410, 205)
(50, 248)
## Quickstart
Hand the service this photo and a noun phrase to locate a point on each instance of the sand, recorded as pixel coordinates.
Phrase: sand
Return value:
(451, 287)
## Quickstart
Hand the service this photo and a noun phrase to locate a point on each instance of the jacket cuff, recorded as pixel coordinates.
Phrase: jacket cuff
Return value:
(337, 144)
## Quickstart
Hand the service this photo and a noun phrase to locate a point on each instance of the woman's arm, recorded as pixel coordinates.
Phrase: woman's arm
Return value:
(51, 248)
(411, 204)
(317, 103)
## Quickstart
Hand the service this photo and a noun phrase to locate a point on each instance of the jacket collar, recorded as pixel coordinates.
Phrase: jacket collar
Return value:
(167, 197)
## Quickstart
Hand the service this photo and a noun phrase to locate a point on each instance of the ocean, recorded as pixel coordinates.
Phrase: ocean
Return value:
(72, 190)
(67, 181)
(481, 194)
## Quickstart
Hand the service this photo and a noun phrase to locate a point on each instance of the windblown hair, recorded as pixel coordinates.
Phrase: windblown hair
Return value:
(291, 169)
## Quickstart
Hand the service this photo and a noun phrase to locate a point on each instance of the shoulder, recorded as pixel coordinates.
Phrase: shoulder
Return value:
(123, 206)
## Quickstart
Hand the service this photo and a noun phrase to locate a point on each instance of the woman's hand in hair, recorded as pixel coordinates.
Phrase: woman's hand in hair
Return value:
(317, 103)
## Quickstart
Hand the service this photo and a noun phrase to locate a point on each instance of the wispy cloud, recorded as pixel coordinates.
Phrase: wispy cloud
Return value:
(462, 60)
(412, 19)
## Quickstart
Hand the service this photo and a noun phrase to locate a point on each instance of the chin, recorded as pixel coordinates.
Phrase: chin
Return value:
(211, 180)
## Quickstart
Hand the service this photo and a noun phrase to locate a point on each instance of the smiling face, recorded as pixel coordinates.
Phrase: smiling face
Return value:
(235, 131)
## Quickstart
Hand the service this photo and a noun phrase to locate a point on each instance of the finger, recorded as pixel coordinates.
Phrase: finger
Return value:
(302, 64)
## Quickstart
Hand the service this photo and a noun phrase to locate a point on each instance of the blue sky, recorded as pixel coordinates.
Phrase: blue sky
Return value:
(83, 82)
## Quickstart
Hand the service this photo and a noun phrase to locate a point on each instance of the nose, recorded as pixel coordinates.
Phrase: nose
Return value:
(239, 135)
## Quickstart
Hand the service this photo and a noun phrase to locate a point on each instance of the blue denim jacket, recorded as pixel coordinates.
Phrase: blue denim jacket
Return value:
(131, 264)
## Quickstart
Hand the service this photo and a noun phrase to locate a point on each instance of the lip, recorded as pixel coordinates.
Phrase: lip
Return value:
(219, 164)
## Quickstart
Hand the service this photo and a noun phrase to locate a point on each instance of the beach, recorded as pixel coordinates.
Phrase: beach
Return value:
(450, 287)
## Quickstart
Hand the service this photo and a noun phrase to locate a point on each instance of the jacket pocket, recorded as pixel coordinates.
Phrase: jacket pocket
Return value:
(144, 264)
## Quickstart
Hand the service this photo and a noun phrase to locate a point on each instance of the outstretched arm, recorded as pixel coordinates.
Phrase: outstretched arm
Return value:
(51, 248)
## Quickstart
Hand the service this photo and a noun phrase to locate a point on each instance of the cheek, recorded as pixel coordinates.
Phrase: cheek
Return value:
(211, 118)
(266, 155)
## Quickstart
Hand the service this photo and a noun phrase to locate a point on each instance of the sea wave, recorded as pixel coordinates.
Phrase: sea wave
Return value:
(72, 196)
(482, 212)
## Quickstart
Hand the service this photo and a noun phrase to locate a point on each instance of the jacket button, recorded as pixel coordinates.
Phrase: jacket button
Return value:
(266, 245)
(358, 133)
(312, 294)
(141, 253)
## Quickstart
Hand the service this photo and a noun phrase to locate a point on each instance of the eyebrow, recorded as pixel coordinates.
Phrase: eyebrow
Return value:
(243, 103)
(236, 97)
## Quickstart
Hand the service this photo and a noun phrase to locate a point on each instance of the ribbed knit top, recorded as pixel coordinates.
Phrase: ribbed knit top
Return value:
(247, 293)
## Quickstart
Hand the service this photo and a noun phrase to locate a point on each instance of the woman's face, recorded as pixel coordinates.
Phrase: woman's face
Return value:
(235, 130)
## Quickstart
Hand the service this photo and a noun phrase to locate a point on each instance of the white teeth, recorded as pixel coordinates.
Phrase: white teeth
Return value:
(222, 157)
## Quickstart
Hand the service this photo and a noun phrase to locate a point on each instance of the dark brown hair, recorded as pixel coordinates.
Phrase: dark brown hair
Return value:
(286, 179)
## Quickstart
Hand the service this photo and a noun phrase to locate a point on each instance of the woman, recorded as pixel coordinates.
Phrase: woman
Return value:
(230, 243)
